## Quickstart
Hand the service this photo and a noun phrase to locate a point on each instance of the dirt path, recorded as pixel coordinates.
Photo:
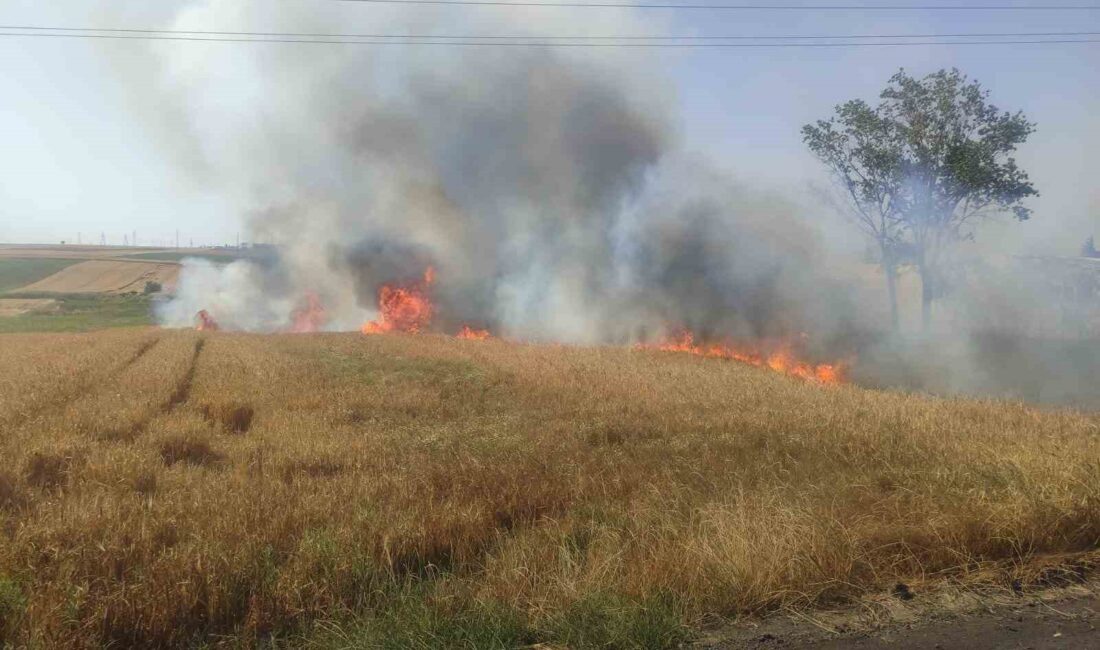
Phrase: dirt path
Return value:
(1037, 624)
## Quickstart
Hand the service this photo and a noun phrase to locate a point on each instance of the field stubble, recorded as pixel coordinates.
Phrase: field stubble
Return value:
(169, 487)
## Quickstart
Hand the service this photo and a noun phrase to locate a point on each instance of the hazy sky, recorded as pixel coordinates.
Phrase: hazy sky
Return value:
(81, 155)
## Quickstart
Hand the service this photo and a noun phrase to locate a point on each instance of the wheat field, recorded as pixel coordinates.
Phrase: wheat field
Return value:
(174, 488)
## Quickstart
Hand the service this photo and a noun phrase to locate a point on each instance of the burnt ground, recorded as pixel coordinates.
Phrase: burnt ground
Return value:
(1067, 619)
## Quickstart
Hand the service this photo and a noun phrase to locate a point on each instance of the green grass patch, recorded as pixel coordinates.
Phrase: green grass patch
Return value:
(82, 313)
(416, 623)
(417, 620)
(19, 272)
(611, 621)
(12, 605)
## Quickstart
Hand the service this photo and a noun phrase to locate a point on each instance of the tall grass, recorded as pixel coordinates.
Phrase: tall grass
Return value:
(419, 491)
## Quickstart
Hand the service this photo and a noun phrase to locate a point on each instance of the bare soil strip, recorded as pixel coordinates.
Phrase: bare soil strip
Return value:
(1062, 619)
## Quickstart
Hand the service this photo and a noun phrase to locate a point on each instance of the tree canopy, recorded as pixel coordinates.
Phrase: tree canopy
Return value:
(922, 167)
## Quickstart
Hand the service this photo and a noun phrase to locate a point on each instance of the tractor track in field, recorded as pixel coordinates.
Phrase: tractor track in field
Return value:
(183, 388)
(86, 386)
(179, 395)
(141, 351)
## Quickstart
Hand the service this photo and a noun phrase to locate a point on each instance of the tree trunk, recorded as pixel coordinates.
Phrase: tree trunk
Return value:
(890, 267)
(926, 295)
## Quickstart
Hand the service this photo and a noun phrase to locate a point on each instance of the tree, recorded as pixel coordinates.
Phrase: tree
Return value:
(1089, 249)
(923, 167)
(858, 146)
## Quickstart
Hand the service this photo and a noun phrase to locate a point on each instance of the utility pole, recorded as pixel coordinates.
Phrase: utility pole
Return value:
(102, 239)
(177, 238)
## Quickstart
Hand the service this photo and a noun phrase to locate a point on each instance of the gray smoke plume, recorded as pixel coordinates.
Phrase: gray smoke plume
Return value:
(543, 185)
(547, 188)
(1008, 326)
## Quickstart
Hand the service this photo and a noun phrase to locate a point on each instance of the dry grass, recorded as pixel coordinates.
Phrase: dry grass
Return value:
(161, 489)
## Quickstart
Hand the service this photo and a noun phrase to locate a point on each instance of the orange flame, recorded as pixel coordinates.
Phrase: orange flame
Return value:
(309, 318)
(472, 334)
(205, 322)
(780, 359)
(403, 309)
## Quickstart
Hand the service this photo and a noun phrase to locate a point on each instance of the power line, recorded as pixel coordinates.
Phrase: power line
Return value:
(547, 37)
(534, 42)
(743, 7)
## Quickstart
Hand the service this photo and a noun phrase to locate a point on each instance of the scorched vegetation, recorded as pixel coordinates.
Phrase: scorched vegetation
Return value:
(177, 487)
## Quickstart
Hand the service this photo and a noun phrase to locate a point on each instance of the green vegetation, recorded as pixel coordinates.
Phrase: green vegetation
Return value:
(12, 604)
(922, 168)
(19, 272)
(415, 618)
(82, 312)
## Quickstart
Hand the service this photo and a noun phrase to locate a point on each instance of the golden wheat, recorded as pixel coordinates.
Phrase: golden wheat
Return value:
(160, 488)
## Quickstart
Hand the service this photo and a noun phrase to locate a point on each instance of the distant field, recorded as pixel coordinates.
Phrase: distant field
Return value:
(65, 251)
(42, 294)
(176, 256)
(106, 276)
(168, 488)
(19, 272)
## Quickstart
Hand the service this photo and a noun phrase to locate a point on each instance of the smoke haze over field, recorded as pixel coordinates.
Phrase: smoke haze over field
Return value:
(583, 195)
(551, 191)
(547, 188)
(91, 122)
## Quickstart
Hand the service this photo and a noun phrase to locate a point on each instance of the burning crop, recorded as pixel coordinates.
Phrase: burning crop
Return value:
(409, 309)
(403, 308)
(777, 356)
(204, 322)
(310, 317)
(472, 334)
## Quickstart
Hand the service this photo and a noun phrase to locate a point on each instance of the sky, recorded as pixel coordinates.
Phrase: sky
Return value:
(85, 153)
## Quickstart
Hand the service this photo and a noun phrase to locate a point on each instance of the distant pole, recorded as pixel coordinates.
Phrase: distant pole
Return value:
(125, 240)
(102, 239)
(133, 240)
(177, 238)
(238, 239)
